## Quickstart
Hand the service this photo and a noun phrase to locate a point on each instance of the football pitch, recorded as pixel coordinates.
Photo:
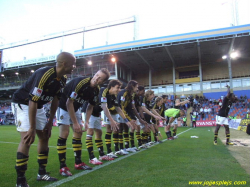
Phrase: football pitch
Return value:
(182, 162)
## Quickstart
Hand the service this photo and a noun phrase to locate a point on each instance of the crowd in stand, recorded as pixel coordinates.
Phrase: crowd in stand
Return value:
(203, 108)
(6, 116)
(206, 109)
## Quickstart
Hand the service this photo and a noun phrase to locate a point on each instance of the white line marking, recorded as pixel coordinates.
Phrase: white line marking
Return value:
(36, 145)
(98, 167)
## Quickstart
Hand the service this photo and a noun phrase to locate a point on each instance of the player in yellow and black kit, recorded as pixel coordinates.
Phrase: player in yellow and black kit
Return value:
(221, 117)
(147, 107)
(75, 93)
(109, 104)
(43, 86)
(159, 107)
(124, 99)
(140, 120)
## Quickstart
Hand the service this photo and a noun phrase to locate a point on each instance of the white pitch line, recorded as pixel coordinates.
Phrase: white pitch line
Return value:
(99, 166)
(36, 145)
(179, 134)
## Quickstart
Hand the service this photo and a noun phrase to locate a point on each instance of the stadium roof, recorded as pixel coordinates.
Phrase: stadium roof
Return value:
(182, 50)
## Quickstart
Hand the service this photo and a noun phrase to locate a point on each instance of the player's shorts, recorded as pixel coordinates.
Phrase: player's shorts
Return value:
(221, 120)
(148, 118)
(21, 113)
(114, 117)
(175, 122)
(63, 117)
(120, 119)
(95, 122)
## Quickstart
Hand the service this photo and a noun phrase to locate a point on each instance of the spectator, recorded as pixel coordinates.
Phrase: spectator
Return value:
(205, 110)
(202, 115)
(212, 110)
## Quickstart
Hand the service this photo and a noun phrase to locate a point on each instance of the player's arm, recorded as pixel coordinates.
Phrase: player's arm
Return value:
(228, 91)
(141, 113)
(136, 112)
(30, 135)
(113, 124)
(89, 111)
(178, 103)
(120, 112)
(53, 108)
(150, 113)
(72, 113)
(156, 113)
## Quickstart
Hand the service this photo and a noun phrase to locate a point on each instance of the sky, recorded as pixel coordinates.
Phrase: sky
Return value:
(27, 19)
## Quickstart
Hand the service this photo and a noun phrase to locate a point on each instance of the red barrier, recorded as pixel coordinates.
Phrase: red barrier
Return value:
(206, 123)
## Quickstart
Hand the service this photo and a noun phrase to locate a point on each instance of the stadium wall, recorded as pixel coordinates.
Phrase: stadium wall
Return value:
(157, 77)
(240, 68)
(216, 95)
(216, 70)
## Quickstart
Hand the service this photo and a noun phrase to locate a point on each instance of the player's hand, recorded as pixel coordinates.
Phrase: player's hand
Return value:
(142, 121)
(114, 125)
(86, 126)
(47, 129)
(147, 126)
(157, 117)
(129, 125)
(133, 123)
(163, 119)
(77, 128)
(29, 138)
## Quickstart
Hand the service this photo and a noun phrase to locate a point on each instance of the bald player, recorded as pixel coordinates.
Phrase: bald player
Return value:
(43, 86)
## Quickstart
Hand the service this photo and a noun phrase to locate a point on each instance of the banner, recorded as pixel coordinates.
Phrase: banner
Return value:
(234, 123)
(243, 125)
(30, 61)
(205, 123)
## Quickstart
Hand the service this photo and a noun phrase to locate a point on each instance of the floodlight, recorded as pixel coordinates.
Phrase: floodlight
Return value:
(113, 59)
(233, 55)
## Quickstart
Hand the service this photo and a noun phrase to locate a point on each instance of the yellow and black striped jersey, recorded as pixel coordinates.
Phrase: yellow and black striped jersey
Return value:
(105, 97)
(110, 100)
(161, 108)
(124, 99)
(41, 87)
(148, 104)
(79, 90)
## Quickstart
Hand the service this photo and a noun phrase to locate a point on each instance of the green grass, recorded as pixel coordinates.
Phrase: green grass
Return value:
(172, 163)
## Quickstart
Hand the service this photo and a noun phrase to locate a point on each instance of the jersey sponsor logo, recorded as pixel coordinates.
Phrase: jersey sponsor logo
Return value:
(122, 98)
(73, 95)
(46, 98)
(79, 100)
(104, 100)
(37, 92)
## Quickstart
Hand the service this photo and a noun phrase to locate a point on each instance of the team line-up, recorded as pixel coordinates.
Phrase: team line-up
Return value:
(128, 111)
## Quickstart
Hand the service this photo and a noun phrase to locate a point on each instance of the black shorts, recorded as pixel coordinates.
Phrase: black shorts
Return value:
(147, 118)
